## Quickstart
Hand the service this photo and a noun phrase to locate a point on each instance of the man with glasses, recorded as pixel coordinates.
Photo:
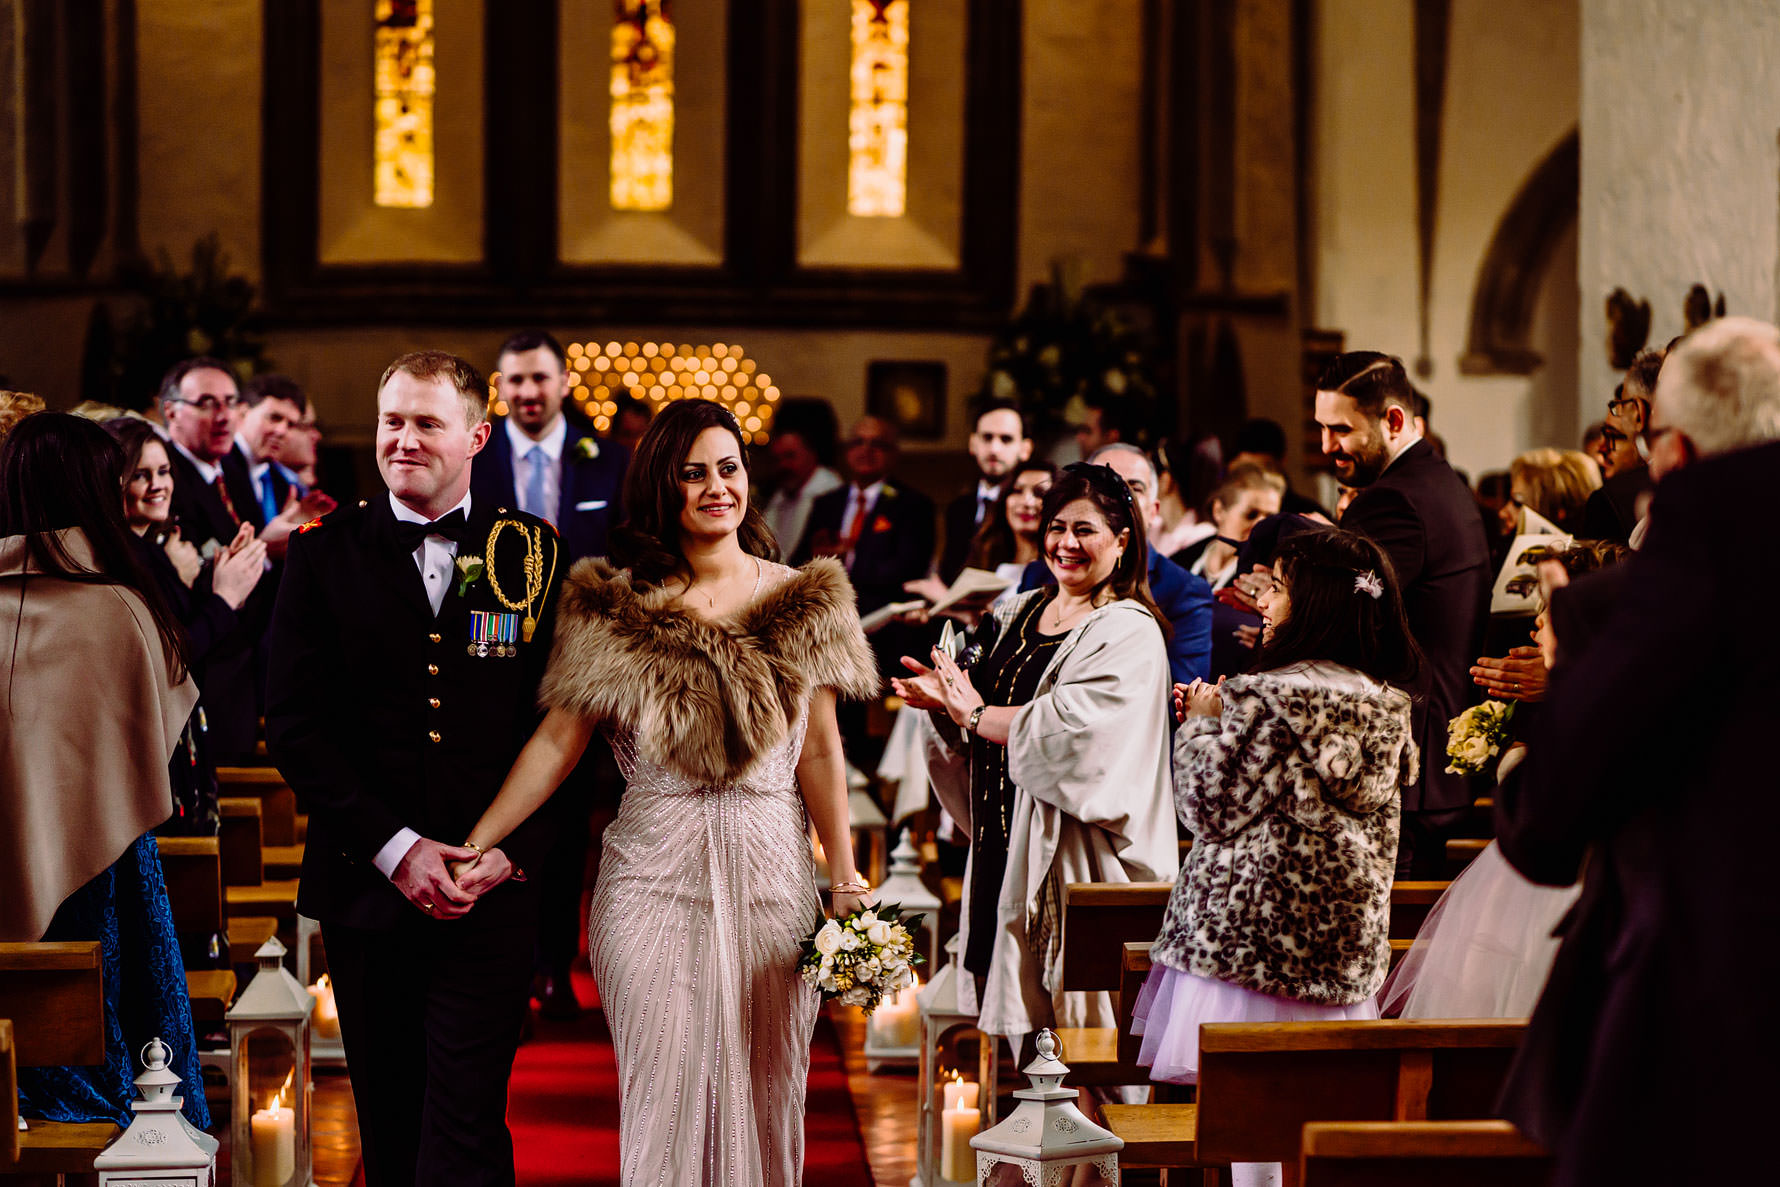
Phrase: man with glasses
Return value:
(199, 401)
(1613, 511)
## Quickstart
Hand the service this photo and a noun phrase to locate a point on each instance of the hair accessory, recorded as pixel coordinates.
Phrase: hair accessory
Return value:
(1368, 583)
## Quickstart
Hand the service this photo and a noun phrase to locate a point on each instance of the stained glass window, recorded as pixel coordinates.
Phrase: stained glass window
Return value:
(878, 137)
(404, 103)
(643, 105)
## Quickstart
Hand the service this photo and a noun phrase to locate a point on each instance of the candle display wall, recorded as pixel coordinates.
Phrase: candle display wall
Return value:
(269, 1085)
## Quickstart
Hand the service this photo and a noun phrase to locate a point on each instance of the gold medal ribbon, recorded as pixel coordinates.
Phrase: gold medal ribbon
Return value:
(535, 579)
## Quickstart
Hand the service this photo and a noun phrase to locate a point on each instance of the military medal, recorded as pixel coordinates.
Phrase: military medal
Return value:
(493, 633)
(535, 579)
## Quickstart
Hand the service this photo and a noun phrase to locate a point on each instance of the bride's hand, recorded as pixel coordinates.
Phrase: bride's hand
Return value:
(846, 902)
(484, 874)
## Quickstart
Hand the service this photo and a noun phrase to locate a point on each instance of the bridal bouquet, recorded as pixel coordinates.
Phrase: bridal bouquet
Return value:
(1476, 736)
(861, 957)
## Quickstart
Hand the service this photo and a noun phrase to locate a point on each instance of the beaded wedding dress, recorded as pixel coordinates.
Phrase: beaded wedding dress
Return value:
(706, 887)
(704, 896)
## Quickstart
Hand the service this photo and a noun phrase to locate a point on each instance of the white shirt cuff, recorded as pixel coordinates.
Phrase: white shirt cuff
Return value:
(393, 851)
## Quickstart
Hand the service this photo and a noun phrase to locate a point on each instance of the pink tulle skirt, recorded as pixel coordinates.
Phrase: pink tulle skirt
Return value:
(1172, 1004)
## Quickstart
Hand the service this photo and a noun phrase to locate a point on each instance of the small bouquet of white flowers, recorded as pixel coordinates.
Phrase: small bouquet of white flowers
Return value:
(1476, 736)
(861, 958)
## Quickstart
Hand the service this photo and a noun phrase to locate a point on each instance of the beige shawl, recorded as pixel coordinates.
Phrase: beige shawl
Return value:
(88, 721)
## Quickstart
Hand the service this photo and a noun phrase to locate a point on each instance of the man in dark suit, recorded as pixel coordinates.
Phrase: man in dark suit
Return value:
(545, 464)
(403, 685)
(271, 408)
(881, 530)
(1184, 598)
(998, 443)
(200, 402)
(1652, 757)
(1422, 514)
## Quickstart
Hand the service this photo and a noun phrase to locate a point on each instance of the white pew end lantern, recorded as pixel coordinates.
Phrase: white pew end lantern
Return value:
(160, 1146)
(270, 1088)
(1047, 1141)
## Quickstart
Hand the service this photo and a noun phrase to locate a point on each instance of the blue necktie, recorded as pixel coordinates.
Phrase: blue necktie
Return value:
(268, 496)
(534, 485)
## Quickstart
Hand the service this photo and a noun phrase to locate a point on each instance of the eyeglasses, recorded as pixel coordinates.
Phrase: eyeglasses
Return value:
(1625, 406)
(210, 405)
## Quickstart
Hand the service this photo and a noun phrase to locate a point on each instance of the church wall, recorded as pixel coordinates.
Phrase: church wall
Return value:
(200, 103)
(1511, 95)
(1680, 172)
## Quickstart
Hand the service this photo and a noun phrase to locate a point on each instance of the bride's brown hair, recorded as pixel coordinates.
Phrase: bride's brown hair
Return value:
(648, 541)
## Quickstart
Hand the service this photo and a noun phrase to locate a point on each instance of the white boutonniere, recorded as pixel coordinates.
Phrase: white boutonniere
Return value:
(469, 572)
(586, 449)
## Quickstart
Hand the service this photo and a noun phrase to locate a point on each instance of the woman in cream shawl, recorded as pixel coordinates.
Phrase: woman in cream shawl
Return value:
(96, 696)
(1053, 751)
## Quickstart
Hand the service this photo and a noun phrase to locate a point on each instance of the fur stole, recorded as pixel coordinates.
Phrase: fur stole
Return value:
(705, 699)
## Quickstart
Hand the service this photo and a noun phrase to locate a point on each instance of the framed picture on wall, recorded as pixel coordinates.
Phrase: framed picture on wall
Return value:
(910, 395)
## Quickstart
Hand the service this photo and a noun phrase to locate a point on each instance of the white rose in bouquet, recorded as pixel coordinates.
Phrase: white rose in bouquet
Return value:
(878, 932)
(1475, 750)
(830, 939)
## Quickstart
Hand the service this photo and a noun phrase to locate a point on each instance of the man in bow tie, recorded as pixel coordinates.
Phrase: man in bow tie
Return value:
(406, 649)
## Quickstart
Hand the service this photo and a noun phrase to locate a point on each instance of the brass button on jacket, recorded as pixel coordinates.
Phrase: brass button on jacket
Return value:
(433, 734)
(432, 669)
(433, 701)
(436, 637)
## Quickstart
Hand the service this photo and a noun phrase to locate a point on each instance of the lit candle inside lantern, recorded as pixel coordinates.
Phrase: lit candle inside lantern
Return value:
(957, 1161)
(960, 1093)
(897, 1020)
(326, 1016)
(275, 1140)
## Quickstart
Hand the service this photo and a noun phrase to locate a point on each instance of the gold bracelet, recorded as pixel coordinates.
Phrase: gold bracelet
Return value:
(480, 851)
(859, 887)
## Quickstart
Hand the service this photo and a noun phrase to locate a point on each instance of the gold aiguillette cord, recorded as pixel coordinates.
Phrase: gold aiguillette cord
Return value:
(535, 580)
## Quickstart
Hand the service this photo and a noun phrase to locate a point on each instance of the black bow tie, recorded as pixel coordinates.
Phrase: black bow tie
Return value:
(451, 527)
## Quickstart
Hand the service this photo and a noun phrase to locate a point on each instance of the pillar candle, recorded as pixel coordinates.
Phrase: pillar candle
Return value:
(897, 1020)
(326, 1017)
(961, 1094)
(957, 1161)
(274, 1146)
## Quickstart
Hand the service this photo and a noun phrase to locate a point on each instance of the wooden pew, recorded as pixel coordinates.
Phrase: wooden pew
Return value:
(247, 891)
(1414, 1153)
(53, 994)
(1259, 1084)
(1100, 921)
(1461, 851)
(9, 1097)
(281, 840)
(1410, 904)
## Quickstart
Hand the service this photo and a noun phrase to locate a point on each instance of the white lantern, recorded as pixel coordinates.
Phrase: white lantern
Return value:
(893, 1033)
(942, 1019)
(1047, 1141)
(269, 1085)
(160, 1147)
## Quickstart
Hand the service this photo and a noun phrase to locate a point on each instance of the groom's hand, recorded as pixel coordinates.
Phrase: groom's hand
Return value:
(422, 878)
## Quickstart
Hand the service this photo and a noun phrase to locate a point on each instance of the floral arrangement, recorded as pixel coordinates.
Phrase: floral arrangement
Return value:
(1477, 736)
(1066, 348)
(861, 958)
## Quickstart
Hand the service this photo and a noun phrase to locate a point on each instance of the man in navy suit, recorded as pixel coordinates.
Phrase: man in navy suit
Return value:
(540, 462)
(1415, 507)
(1184, 598)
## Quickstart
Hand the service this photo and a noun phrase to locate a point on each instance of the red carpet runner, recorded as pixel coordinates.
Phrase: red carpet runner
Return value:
(563, 1107)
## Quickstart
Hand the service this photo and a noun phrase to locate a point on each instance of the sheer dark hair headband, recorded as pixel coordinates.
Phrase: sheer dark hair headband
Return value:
(1106, 480)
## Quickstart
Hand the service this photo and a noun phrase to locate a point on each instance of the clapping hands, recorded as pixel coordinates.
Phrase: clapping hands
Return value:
(1198, 699)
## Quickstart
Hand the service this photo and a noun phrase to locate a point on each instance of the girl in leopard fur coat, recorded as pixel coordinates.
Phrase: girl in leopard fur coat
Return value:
(1289, 779)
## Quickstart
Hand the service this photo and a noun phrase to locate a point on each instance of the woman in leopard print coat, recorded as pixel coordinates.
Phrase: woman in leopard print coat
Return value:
(1289, 780)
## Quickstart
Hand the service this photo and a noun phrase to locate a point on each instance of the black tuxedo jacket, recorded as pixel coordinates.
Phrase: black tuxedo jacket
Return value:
(230, 683)
(238, 477)
(895, 543)
(1653, 757)
(1424, 516)
(197, 509)
(382, 716)
(592, 498)
(961, 529)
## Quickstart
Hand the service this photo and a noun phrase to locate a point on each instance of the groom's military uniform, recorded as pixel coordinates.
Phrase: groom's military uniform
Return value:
(386, 716)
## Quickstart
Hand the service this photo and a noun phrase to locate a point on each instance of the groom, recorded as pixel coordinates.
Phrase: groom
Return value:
(409, 637)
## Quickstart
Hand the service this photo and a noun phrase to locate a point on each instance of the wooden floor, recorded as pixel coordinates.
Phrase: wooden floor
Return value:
(885, 1104)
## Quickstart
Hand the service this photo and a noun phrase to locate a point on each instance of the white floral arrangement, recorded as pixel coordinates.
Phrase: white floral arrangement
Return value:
(861, 958)
(1475, 737)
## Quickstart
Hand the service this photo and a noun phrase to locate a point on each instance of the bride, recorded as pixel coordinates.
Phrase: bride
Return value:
(714, 671)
